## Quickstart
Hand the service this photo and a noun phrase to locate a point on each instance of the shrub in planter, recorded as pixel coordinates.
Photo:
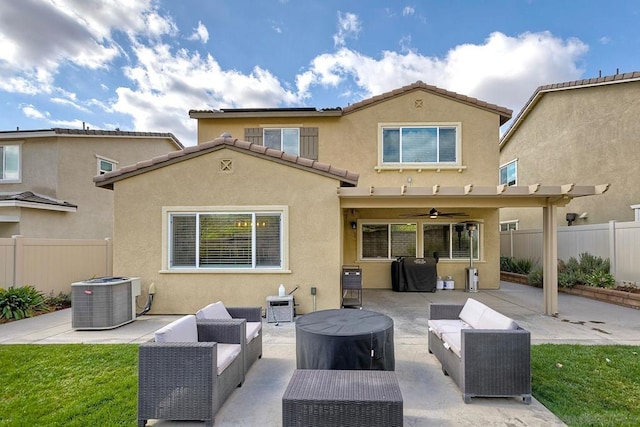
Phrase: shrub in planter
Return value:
(587, 270)
(601, 280)
(516, 265)
(18, 303)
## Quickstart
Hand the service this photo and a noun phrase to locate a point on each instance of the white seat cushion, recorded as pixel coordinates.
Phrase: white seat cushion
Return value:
(453, 341)
(491, 319)
(441, 326)
(227, 353)
(183, 329)
(217, 310)
(253, 330)
(472, 312)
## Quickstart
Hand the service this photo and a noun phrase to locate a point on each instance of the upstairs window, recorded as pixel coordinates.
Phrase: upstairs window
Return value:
(10, 164)
(105, 165)
(298, 141)
(509, 173)
(420, 145)
(285, 139)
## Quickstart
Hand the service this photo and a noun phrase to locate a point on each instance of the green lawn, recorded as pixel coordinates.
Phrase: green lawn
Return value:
(588, 385)
(96, 385)
(68, 385)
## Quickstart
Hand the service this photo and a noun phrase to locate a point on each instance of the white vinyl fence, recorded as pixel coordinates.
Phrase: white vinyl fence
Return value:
(51, 265)
(618, 241)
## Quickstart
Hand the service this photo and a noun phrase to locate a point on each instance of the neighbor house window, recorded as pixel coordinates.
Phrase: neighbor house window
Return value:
(508, 225)
(285, 139)
(105, 165)
(420, 145)
(388, 241)
(226, 240)
(10, 163)
(509, 173)
(451, 241)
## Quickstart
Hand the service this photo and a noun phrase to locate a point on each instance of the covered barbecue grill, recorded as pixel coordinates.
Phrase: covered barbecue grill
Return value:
(411, 274)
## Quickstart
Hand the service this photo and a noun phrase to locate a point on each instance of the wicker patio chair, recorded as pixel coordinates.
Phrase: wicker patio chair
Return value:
(253, 315)
(190, 380)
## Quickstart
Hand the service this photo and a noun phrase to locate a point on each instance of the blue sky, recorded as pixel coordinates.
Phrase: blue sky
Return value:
(142, 65)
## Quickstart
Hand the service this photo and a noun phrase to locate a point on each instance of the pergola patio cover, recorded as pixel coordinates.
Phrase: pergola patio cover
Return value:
(547, 197)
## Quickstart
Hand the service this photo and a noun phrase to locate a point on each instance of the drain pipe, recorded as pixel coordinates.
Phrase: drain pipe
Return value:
(152, 291)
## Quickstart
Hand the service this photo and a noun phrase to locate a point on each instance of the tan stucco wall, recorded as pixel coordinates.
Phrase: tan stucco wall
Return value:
(63, 168)
(314, 231)
(586, 136)
(351, 142)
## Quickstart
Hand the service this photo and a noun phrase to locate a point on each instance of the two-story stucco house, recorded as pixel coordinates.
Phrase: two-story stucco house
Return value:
(46, 187)
(290, 196)
(580, 131)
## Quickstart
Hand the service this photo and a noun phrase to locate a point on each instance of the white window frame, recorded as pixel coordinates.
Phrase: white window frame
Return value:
(389, 244)
(3, 178)
(455, 165)
(282, 211)
(515, 172)
(282, 131)
(477, 254)
(510, 223)
(100, 159)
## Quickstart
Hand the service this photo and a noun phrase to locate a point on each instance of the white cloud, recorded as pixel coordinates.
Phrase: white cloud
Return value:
(348, 26)
(70, 103)
(408, 10)
(605, 40)
(31, 112)
(166, 85)
(200, 33)
(503, 70)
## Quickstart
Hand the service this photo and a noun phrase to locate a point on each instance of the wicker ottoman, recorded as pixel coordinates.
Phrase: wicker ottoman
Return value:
(342, 398)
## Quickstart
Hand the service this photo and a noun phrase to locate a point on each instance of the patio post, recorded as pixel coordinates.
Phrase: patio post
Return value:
(550, 258)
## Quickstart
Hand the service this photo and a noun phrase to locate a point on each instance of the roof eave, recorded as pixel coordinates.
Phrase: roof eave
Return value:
(261, 114)
(36, 205)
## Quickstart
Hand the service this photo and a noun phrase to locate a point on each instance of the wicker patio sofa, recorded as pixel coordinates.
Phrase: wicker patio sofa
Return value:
(486, 353)
(253, 315)
(190, 369)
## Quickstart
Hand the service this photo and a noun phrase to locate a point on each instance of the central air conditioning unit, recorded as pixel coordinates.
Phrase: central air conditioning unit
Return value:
(104, 303)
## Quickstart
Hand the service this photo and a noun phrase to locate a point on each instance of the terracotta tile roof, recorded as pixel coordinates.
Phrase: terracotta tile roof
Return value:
(346, 177)
(555, 87)
(505, 113)
(88, 132)
(28, 196)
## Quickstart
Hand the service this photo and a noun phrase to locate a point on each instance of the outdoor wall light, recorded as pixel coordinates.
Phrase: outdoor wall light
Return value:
(571, 217)
(354, 225)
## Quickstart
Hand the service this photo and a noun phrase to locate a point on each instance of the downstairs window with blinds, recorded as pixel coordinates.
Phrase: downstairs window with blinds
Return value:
(225, 240)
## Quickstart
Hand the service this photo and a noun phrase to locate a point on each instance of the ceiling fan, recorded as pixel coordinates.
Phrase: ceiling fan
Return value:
(434, 213)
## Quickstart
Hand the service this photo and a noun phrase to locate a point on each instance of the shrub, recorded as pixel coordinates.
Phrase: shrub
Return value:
(516, 265)
(21, 302)
(535, 277)
(58, 302)
(586, 270)
(601, 280)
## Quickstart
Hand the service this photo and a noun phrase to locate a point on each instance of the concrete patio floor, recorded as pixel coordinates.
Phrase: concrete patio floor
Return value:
(430, 398)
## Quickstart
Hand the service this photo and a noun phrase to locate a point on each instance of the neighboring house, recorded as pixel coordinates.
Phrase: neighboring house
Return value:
(291, 195)
(581, 131)
(46, 187)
